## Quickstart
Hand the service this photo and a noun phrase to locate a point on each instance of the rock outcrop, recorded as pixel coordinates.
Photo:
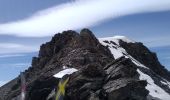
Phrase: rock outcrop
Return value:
(146, 57)
(107, 83)
(99, 77)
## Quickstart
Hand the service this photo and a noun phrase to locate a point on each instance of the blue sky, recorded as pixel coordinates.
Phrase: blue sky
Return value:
(26, 24)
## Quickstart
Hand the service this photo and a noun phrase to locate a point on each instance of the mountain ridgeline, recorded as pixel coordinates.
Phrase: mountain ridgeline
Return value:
(114, 68)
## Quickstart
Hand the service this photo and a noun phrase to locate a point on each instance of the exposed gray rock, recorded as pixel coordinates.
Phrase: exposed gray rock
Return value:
(100, 76)
(108, 86)
(146, 57)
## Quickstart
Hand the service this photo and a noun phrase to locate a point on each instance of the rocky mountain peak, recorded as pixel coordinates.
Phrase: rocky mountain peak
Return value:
(89, 37)
(107, 69)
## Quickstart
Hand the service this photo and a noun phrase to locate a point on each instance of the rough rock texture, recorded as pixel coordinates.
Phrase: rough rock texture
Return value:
(146, 57)
(68, 48)
(100, 76)
(110, 83)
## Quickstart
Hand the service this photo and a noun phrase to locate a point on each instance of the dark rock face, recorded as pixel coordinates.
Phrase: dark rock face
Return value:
(100, 76)
(65, 49)
(113, 83)
(122, 77)
(146, 57)
(41, 88)
(70, 49)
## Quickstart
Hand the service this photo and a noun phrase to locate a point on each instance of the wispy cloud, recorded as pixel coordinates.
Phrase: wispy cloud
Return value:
(79, 14)
(11, 55)
(6, 48)
(15, 65)
(21, 65)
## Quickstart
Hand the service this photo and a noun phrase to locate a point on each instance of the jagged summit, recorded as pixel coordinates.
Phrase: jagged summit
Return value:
(114, 68)
(116, 39)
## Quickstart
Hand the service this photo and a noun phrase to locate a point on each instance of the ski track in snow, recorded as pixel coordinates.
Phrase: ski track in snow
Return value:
(117, 51)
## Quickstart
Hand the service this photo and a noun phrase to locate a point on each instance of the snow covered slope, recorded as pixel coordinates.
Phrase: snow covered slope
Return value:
(158, 87)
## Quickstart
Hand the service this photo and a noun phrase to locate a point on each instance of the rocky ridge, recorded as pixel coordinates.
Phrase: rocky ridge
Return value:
(108, 69)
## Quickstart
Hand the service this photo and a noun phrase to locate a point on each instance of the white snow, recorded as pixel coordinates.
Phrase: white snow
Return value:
(64, 72)
(65, 67)
(117, 38)
(113, 48)
(118, 51)
(154, 90)
(165, 82)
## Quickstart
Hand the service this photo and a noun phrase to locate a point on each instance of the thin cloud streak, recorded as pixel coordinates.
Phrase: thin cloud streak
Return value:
(79, 14)
(11, 55)
(11, 48)
(15, 65)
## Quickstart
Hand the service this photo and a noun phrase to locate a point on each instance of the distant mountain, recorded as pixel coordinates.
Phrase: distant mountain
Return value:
(113, 68)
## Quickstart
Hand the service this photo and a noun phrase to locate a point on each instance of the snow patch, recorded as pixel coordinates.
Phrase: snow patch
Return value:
(65, 67)
(118, 51)
(154, 90)
(112, 47)
(165, 82)
(64, 72)
(116, 39)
